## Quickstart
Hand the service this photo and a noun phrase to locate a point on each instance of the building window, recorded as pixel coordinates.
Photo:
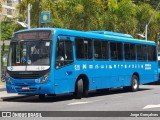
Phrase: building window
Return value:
(9, 11)
(9, 2)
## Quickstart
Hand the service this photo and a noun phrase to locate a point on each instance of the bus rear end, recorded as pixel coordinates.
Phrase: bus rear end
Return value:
(29, 62)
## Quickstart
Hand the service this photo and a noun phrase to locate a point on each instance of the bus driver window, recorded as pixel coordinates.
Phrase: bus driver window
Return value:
(64, 54)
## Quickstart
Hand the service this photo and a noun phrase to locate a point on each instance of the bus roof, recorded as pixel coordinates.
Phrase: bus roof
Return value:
(113, 34)
(95, 34)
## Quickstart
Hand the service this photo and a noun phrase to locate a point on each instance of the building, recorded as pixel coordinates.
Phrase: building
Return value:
(9, 9)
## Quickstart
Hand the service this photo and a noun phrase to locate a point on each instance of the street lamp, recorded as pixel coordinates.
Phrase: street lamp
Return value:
(22, 24)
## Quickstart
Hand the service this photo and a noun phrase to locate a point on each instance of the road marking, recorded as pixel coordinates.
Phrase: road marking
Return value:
(85, 102)
(151, 106)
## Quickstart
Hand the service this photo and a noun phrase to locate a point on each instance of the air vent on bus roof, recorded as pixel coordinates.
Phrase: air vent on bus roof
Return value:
(113, 34)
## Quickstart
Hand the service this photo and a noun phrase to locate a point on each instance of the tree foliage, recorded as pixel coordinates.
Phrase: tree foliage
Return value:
(7, 29)
(126, 16)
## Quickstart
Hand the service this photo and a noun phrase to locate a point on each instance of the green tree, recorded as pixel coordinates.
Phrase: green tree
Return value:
(126, 16)
(81, 14)
(147, 14)
(73, 14)
(7, 29)
(121, 16)
(37, 7)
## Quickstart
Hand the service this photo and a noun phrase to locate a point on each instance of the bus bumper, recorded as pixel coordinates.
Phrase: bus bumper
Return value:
(33, 89)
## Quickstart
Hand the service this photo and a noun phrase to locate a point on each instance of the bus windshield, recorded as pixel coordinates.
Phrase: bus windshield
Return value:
(30, 53)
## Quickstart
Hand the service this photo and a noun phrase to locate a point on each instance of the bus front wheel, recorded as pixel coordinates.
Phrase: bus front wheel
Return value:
(79, 89)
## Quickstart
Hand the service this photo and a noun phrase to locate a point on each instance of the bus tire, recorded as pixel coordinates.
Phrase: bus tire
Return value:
(134, 83)
(42, 96)
(85, 92)
(79, 89)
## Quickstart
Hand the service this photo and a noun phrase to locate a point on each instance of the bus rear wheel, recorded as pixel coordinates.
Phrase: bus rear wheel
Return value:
(134, 83)
(79, 89)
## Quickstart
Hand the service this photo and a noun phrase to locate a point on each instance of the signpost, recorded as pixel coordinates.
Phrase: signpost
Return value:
(45, 17)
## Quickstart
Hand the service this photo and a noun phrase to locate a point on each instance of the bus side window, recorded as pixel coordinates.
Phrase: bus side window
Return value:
(133, 51)
(64, 53)
(113, 51)
(97, 49)
(141, 52)
(129, 51)
(83, 48)
(152, 55)
(116, 51)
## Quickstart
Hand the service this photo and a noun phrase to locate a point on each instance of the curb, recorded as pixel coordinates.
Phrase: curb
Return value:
(2, 88)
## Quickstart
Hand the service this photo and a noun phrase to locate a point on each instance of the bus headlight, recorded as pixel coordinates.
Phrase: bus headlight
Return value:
(9, 80)
(44, 79)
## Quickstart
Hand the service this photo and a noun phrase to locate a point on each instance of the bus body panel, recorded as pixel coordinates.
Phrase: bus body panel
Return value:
(29, 87)
(64, 79)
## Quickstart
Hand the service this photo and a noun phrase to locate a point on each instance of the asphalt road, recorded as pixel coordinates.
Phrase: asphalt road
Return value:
(146, 99)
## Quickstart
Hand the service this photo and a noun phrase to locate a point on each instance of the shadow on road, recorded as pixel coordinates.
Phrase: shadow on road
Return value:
(59, 98)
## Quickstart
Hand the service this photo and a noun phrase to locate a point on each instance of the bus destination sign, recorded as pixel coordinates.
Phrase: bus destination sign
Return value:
(32, 35)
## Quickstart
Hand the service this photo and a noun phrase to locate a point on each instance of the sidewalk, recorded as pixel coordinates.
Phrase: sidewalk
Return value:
(2, 87)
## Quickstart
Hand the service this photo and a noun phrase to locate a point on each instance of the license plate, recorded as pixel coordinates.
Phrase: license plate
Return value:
(25, 88)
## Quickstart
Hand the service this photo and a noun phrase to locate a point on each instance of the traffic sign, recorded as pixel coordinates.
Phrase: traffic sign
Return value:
(45, 17)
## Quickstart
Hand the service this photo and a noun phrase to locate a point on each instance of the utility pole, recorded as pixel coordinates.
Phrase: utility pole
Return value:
(39, 13)
(28, 16)
(146, 29)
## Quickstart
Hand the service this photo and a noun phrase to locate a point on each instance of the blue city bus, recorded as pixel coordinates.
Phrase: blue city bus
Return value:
(51, 61)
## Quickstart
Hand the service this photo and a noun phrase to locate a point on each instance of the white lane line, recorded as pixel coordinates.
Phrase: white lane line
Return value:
(151, 106)
(83, 102)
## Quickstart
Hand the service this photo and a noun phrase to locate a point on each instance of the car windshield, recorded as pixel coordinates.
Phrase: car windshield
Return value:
(30, 53)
